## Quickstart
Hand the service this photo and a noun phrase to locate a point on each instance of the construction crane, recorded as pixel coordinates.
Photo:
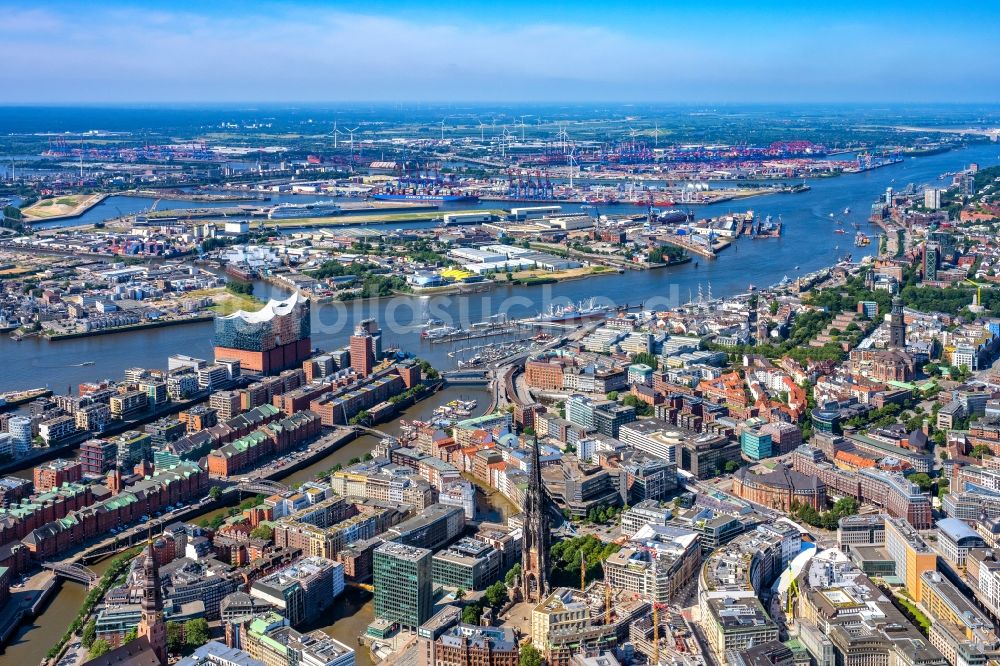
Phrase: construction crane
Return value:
(607, 595)
(607, 603)
(656, 634)
(979, 292)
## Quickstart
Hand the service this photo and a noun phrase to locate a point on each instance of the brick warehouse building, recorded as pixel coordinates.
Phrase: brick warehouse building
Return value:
(272, 339)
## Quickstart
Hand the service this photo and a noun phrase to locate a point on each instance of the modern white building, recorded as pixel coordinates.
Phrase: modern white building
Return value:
(19, 428)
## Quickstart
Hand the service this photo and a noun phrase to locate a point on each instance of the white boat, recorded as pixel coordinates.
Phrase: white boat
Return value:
(439, 332)
(578, 312)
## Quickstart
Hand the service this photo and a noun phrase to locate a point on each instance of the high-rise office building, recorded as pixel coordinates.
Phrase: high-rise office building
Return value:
(403, 584)
(271, 339)
(362, 352)
(20, 430)
(932, 198)
(932, 259)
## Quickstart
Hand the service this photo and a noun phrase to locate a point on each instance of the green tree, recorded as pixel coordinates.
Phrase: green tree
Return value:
(472, 613)
(512, 575)
(196, 632)
(265, 532)
(923, 481)
(99, 648)
(612, 395)
(731, 466)
(89, 633)
(496, 594)
(529, 655)
(646, 358)
(215, 492)
(175, 637)
(131, 635)
(641, 408)
(240, 287)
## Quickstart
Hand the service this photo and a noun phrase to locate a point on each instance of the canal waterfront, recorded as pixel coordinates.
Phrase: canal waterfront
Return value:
(808, 243)
(345, 621)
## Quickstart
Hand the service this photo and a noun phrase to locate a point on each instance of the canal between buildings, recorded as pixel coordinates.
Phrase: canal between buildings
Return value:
(345, 621)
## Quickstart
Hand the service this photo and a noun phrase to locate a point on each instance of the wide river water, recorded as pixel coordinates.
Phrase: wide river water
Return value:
(807, 244)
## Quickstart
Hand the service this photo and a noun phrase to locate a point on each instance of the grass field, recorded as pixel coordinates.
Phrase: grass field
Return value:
(18, 270)
(569, 274)
(72, 204)
(226, 302)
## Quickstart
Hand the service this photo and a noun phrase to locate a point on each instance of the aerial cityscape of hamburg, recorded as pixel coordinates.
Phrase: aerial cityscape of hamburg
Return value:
(499, 334)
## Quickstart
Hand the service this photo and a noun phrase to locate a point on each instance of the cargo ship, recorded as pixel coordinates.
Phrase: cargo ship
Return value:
(670, 217)
(13, 399)
(443, 198)
(290, 211)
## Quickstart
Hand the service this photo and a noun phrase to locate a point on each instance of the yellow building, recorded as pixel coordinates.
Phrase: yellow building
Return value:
(911, 554)
(559, 613)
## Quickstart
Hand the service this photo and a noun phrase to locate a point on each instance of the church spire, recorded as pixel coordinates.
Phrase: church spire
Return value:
(151, 626)
(536, 537)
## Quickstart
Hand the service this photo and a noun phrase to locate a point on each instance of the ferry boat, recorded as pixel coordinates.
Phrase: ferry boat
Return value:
(290, 211)
(861, 239)
(578, 312)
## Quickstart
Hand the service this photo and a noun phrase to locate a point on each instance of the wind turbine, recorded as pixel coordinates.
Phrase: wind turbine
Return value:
(656, 135)
(522, 128)
(336, 132)
(442, 127)
(351, 133)
(572, 159)
(563, 137)
(482, 135)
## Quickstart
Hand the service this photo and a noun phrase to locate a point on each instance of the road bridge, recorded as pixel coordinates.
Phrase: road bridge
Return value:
(263, 486)
(73, 571)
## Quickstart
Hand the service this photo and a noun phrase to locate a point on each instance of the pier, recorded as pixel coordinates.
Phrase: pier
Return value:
(707, 251)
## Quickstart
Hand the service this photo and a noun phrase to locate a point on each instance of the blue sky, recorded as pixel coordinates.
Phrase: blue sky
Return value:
(716, 51)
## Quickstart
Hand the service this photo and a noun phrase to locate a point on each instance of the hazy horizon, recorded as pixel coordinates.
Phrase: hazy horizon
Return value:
(299, 53)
